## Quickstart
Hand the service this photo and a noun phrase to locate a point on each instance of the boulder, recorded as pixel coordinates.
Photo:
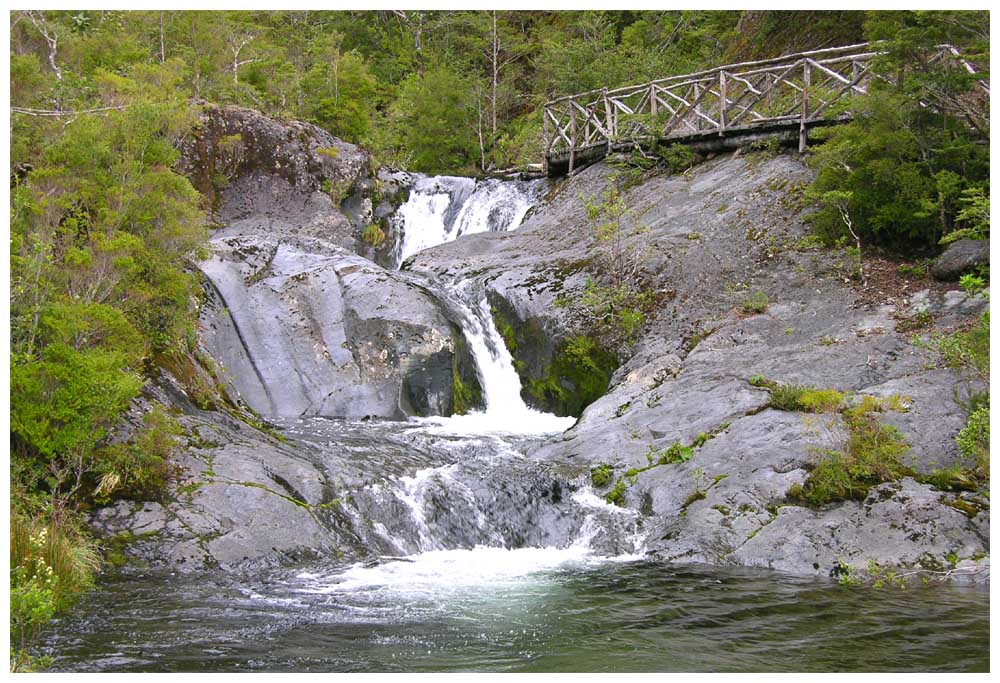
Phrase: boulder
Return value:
(961, 257)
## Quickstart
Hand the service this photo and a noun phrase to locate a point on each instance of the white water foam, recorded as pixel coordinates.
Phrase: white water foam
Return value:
(457, 569)
(443, 208)
(506, 412)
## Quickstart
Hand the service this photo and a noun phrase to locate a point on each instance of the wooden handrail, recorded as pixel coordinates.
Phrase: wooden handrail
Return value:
(799, 88)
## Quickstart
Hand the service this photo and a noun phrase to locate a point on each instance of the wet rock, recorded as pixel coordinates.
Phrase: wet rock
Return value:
(715, 237)
(960, 257)
(301, 327)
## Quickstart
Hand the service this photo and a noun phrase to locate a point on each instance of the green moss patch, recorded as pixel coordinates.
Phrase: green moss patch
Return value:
(577, 376)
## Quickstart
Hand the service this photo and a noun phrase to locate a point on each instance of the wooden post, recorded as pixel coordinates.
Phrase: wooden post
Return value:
(608, 123)
(722, 103)
(805, 106)
(697, 107)
(652, 99)
(572, 137)
(548, 140)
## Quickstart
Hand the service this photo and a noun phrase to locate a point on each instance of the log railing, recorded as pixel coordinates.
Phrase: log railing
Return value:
(773, 94)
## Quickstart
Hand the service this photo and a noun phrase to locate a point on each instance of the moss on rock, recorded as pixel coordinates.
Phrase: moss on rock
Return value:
(577, 376)
(558, 376)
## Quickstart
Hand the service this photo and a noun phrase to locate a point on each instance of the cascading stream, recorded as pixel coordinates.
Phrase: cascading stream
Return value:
(506, 411)
(443, 208)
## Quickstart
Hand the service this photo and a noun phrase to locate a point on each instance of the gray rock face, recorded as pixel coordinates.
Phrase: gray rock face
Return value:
(960, 257)
(716, 236)
(266, 175)
(300, 325)
(302, 328)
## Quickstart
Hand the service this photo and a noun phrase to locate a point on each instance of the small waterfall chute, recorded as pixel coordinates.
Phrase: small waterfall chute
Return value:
(443, 208)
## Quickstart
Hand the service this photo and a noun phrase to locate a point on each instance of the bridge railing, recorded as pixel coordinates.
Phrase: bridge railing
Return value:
(801, 89)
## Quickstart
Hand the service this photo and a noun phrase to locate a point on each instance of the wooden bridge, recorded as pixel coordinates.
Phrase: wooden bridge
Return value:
(721, 108)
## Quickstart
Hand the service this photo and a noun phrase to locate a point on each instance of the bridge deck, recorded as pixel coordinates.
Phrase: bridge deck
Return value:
(720, 108)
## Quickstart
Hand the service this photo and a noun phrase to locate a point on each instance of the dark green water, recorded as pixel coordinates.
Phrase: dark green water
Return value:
(526, 610)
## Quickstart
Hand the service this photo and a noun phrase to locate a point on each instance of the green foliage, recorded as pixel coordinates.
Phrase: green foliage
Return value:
(953, 478)
(675, 158)
(676, 454)
(433, 118)
(139, 469)
(968, 350)
(909, 159)
(974, 440)
(373, 235)
(600, 476)
(972, 284)
(33, 587)
(616, 496)
(338, 91)
(755, 304)
(51, 562)
(795, 397)
(973, 219)
(872, 455)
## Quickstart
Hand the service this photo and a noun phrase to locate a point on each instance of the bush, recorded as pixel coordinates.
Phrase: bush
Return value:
(600, 476)
(139, 470)
(51, 562)
(974, 440)
(373, 235)
(872, 455)
(758, 303)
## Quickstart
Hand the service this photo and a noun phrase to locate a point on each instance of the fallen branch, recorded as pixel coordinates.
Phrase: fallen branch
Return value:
(55, 112)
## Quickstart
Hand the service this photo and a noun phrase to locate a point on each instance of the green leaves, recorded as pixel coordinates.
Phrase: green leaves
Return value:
(902, 167)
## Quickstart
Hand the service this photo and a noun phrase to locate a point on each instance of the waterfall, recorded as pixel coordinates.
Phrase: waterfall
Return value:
(506, 411)
(442, 208)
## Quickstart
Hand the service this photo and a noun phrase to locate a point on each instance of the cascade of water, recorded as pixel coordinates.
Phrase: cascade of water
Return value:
(442, 208)
(506, 411)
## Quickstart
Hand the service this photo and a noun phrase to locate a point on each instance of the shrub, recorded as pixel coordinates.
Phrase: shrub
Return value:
(600, 476)
(872, 455)
(51, 561)
(373, 235)
(139, 470)
(758, 303)
(974, 439)
(616, 496)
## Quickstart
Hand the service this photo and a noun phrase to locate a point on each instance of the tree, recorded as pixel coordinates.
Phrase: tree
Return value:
(434, 117)
(908, 155)
(339, 91)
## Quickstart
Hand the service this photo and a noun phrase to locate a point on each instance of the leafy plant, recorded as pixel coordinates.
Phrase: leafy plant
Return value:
(373, 235)
(755, 304)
